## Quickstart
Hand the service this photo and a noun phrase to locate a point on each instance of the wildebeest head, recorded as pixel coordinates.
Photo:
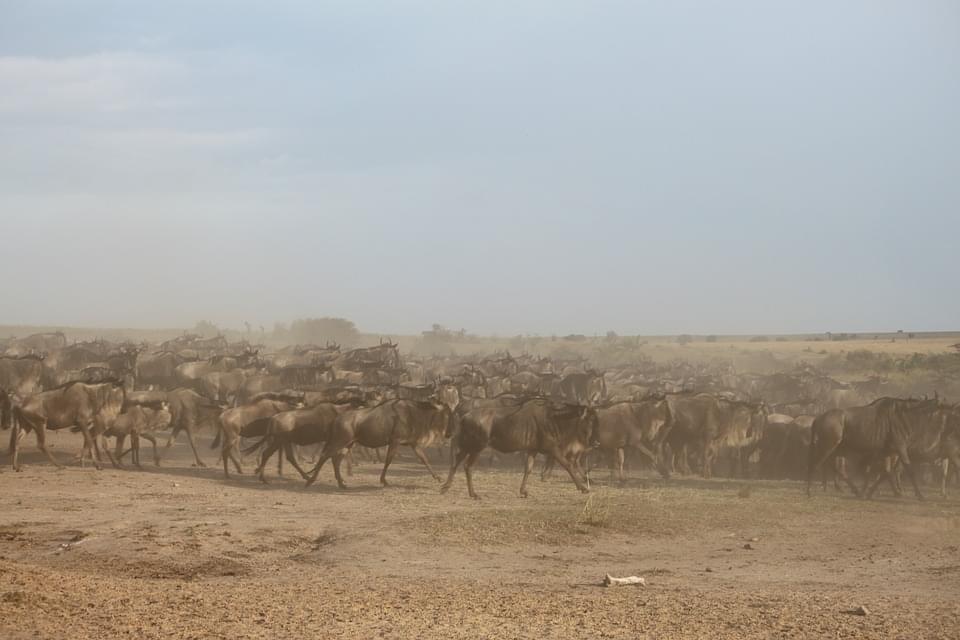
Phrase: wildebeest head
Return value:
(589, 427)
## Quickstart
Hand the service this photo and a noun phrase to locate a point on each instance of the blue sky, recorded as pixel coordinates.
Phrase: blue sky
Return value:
(538, 167)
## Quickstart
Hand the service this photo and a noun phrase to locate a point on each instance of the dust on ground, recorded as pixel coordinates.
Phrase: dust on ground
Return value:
(180, 552)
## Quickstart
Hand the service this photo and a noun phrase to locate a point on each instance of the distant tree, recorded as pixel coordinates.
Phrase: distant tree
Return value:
(322, 330)
(684, 339)
(711, 338)
(206, 329)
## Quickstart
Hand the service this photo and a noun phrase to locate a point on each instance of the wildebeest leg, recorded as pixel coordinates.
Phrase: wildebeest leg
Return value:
(292, 458)
(706, 463)
(620, 457)
(264, 458)
(329, 450)
(454, 463)
(226, 462)
(106, 449)
(421, 456)
(684, 460)
(547, 469)
(118, 450)
(338, 458)
(153, 441)
(911, 471)
(234, 456)
(41, 444)
(193, 447)
(527, 468)
(842, 471)
(468, 470)
(88, 442)
(280, 465)
(558, 457)
(135, 446)
(815, 462)
(15, 442)
(884, 473)
(391, 451)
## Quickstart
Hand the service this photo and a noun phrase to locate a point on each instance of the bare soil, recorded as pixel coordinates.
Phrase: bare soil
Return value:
(180, 552)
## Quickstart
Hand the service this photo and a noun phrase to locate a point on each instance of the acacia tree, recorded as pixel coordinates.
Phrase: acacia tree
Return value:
(320, 331)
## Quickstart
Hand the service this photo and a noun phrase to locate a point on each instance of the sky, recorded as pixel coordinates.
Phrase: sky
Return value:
(544, 167)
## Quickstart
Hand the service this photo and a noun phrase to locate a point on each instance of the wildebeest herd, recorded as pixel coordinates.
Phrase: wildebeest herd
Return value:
(675, 418)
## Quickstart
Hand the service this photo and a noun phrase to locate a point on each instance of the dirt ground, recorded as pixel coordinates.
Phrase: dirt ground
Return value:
(179, 552)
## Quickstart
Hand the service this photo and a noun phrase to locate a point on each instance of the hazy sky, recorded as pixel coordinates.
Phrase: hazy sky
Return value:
(544, 167)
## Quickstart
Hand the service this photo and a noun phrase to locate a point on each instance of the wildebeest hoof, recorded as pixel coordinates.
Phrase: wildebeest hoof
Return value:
(475, 496)
(523, 494)
(444, 489)
(584, 490)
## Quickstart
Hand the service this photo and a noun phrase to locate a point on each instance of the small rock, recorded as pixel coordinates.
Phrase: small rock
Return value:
(748, 547)
(708, 570)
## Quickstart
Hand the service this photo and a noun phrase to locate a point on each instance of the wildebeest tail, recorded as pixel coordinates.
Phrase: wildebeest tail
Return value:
(6, 411)
(260, 427)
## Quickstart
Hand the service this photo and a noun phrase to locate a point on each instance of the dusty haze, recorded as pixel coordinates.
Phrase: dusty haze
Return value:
(550, 168)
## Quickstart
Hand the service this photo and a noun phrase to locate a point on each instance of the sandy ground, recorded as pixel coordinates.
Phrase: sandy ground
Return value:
(179, 552)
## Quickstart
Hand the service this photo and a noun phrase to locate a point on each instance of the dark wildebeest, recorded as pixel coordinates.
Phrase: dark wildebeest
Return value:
(233, 421)
(138, 421)
(6, 410)
(535, 426)
(92, 408)
(389, 424)
(583, 388)
(950, 449)
(301, 427)
(710, 424)
(21, 375)
(784, 446)
(158, 369)
(36, 343)
(907, 429)
(188, 412)
(642, 426)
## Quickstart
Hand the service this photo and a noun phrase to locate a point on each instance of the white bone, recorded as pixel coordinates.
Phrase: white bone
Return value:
(610, 581)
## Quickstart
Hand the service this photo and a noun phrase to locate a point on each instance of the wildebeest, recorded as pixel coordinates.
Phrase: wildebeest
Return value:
(301, 427)
(22, 375)
(709, 425)
(390, 424)
(232, 422)
(588, 388)
(158, 368)
(36, 343)
(137, 422)
(909, 429)
(784, 446)
(642, 426)
(535, 426)
(92, 408)
(188, 412)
